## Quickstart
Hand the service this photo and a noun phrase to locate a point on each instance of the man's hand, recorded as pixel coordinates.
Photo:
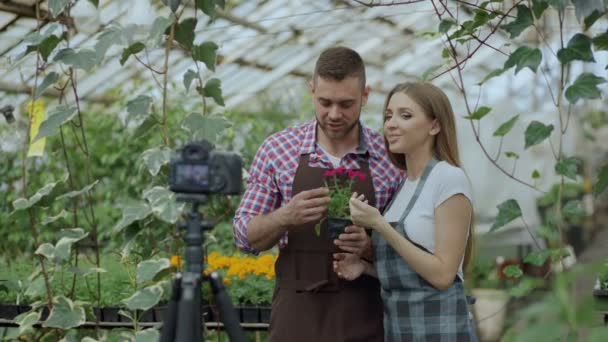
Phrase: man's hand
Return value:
(355, 240)
(348, 266)
(307, 206)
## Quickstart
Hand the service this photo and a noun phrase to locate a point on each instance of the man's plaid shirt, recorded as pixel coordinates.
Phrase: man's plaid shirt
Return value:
(274, 167)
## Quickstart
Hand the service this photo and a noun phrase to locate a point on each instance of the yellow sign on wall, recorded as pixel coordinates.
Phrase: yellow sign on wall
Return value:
(36, 113)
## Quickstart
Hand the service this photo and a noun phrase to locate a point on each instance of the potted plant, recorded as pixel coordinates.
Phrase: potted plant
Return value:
(600, 293)
(339, 182)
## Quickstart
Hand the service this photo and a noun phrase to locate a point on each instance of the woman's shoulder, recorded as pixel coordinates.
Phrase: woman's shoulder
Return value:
(447, 171)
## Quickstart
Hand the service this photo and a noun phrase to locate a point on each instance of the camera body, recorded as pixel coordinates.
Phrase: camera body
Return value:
(197, 168)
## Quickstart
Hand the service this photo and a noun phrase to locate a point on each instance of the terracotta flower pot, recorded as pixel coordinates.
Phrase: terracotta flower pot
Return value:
(336, 226)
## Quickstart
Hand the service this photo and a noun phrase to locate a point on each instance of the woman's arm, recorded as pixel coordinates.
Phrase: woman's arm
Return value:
(452, 219)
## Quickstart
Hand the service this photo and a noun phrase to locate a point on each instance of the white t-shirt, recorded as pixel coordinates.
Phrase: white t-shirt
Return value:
(443, 182)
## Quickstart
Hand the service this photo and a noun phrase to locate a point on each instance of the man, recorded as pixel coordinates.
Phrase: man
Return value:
(286, 197)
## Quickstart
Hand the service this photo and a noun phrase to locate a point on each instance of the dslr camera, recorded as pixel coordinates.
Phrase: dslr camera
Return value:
(197, 168)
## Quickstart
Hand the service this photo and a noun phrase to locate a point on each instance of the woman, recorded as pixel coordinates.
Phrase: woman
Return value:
(423, 240)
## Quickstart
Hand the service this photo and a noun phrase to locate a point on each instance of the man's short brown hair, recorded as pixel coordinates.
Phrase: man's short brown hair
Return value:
(338, 63)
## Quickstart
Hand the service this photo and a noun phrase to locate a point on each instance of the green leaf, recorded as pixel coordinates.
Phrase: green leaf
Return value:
(568, 167)
(591, 19)
(536, 133)
(525, 287)
(538, 7)
(22, 203)
(131, 50)
(184, 32)
(512, 271)
(49, 80)
(207, 6)
(205, 127)
(579, 48)
(508, 211)
(189, 76)
(131, 213)
(146, 126)
(584, 87)
(145, 298)
(48, 45)
(147, 270)
(524, 57)
(559, 5)
(139, 106)
(172, 4)
(36, 38)
(65, 314)
(573, 210)
(57, 6)
(26, 320)
(213, 89)
(60, 115)
(479, 113)
(600, 42)
(83, 59)
(87, 271)
(445, 25)
(510, 154)
(506, 127)
(46, 250)
(494, 73)
(538, 258)
(50, 219)
(524, 20)
(76, 193)
(163, 204)
(585, 8)
(155, 158)
(158, 28)
(206, 53)
(112, 35)
(535, 174)
(602, 181)
(95, 3)
(63, 248)
(147, 335)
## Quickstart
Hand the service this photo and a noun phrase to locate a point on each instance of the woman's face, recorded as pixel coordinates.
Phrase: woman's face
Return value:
(406, 126)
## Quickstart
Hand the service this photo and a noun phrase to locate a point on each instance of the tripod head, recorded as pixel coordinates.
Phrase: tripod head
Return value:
(184, 321)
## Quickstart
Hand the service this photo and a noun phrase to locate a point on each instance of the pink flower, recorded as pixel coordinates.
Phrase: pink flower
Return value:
(361, 175)
(329, 173)
(339, 170)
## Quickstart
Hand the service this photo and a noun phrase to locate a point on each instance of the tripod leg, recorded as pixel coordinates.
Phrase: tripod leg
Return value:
(229, 316)
(189, 318)
(169, 324)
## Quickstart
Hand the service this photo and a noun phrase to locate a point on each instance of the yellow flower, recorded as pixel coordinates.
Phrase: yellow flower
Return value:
(176, 261)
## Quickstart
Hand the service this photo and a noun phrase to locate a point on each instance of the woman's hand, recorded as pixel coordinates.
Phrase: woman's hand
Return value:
(363, 214)
(348, 266)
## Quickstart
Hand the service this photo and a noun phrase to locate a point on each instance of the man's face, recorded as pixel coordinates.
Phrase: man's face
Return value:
(338, 105)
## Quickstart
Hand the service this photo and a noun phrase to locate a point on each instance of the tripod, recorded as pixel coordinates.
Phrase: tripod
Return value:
(184, 319)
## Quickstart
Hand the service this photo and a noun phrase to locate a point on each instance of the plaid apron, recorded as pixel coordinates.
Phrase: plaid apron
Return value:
(413, 309)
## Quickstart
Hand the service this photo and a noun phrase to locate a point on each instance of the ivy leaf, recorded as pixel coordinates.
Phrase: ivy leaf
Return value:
(524, 57)
(48, 45)
(63, 248)
(524, 20)
(163, 204)
(479, 113)
(131, 213)
(172, 4)
(213, 89)
(139, 106)
(205, 127)
(207, 6)
(494, 73)
(76, 193)
(600, 42)
(508, 211)
(26, 321)
(83, 59)
(538, 7)
(512, 271)
(189, 76)
(60, 115)
(49, 79)
(112, 35)
(445, 25)
(206, 53)
(144, 298)
(573, 210)
(131, 50)
(65, 314)
(584, 8)
(510, 154)
(535, 174)
(147, 270)
(568, 167)
(506, 127)
(184, 32)
(155, 158)
(579, 48)
(536, 133)
(158, 28)
(537, 258)
(584, 87)
(602, 181)
(57, 6)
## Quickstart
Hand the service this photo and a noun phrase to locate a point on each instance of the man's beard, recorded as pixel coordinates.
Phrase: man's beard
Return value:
(337, 134)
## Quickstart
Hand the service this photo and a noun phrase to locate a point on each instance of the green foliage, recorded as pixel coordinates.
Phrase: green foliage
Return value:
(65, 314)
(524, 57)
(508, 211)
(537, 132)
(506, 127)
(479, 113)
(603, 276)
(524, 20)
(584, 87)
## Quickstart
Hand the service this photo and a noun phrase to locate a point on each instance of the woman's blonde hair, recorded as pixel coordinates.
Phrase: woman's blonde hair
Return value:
(436, 106)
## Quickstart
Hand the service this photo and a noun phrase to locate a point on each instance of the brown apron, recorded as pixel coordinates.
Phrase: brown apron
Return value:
(310, 302)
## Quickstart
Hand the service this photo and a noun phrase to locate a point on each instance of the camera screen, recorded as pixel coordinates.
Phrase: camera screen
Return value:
(192, 174)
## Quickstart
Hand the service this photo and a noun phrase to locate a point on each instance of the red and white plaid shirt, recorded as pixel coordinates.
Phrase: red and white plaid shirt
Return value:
(274, 167)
